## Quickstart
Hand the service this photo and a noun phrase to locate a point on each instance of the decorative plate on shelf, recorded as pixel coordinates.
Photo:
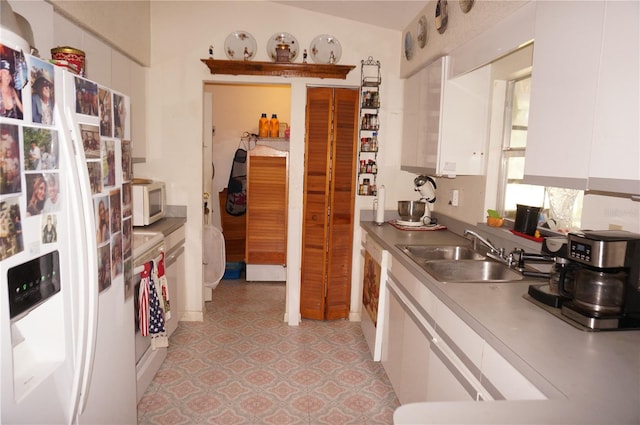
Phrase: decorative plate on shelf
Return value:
(325, 48)
(240, 45)
(408, 45)
(282, 38)
(442, 16)
(466, 5)
(422, 34)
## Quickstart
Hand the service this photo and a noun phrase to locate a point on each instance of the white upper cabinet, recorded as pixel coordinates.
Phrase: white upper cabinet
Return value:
(422, 116)
(583, 122)
(465, 124)
(615, 155)
(563, 93)
(445, 123)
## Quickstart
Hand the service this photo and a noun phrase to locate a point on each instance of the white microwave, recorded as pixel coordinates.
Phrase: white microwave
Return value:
(149, 203)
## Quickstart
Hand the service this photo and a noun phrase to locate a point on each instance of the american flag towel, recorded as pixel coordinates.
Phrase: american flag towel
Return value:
(156, 313)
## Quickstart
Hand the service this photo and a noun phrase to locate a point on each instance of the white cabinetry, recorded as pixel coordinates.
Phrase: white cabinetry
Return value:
(445, 123)
(615, 155)
(421, 117)
(583, 126)
(502, 381)
(419, 363)
(430, 353)
(175, 273)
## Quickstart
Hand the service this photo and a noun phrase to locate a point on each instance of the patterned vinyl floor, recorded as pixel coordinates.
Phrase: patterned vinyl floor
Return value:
(244, 365)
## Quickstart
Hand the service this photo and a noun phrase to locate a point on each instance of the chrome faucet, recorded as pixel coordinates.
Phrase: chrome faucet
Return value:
(494, 252)
(486, 242)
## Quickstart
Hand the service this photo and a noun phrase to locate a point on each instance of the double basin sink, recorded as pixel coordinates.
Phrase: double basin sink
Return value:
(459, 264)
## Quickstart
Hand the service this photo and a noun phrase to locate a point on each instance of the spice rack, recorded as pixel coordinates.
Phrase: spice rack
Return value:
(369, 127)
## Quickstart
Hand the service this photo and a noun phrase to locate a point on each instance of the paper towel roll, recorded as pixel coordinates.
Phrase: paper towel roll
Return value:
(380, 205)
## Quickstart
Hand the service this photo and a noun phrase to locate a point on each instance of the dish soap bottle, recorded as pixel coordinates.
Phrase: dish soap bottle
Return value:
(274, 126)
(263, 126)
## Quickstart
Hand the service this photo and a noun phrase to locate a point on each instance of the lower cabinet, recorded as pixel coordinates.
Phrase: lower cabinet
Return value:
(445, 383)
(418, 365)
(430, 354)
(503, 381)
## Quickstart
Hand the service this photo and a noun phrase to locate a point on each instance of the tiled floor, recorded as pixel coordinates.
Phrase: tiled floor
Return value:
(244, 365)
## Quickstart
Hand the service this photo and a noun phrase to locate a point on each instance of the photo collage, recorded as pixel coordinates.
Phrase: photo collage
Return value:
(111, 201)
(32, 184)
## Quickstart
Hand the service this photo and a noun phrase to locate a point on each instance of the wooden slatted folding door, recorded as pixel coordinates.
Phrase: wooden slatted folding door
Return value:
(329, 198)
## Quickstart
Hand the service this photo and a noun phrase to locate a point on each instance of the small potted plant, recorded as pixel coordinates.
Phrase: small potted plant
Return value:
(494, 219)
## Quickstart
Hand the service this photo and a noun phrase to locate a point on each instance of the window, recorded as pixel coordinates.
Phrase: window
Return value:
(562, 208)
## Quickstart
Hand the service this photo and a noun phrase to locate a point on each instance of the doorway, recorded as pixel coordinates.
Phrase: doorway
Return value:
(233, 111)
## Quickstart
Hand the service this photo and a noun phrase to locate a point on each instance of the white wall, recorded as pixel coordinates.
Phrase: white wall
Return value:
(120, 23)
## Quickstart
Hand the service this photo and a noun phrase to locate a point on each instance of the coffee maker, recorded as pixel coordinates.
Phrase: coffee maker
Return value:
(605, 292)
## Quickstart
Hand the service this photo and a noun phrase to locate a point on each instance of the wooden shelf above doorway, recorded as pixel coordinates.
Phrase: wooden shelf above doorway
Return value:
(230, 67)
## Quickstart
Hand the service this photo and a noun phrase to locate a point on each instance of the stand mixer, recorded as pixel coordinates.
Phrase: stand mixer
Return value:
(425, 186)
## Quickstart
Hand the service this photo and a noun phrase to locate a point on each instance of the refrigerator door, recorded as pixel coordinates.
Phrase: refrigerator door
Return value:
(108, 385)
(39, 274)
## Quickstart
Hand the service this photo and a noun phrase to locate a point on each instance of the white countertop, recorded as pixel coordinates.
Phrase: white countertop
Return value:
(590, 377)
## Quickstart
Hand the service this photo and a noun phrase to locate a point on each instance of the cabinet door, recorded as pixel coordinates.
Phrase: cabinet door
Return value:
(445, 382)
(615, 157)
(267, 207)
(429, 136)
(563, 93)
(422, 118)
(234, 229)
(415, 363)
(410, 121)
(392, 340)
(465, 124)
(175, 274)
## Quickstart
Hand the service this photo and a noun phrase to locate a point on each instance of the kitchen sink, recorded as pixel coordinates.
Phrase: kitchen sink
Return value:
(420, 253)
(470, 271)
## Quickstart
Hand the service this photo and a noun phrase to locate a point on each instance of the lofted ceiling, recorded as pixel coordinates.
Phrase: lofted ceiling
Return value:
(391, 14)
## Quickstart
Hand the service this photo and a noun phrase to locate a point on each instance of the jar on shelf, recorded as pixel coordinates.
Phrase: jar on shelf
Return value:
(263, 126)
(365, 145)
(274, 126)
(364, 187)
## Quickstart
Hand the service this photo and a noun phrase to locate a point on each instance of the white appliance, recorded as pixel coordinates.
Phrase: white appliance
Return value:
(149, 203)
(66, 299)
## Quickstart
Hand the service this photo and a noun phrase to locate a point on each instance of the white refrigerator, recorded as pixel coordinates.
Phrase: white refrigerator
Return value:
(66, 301)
